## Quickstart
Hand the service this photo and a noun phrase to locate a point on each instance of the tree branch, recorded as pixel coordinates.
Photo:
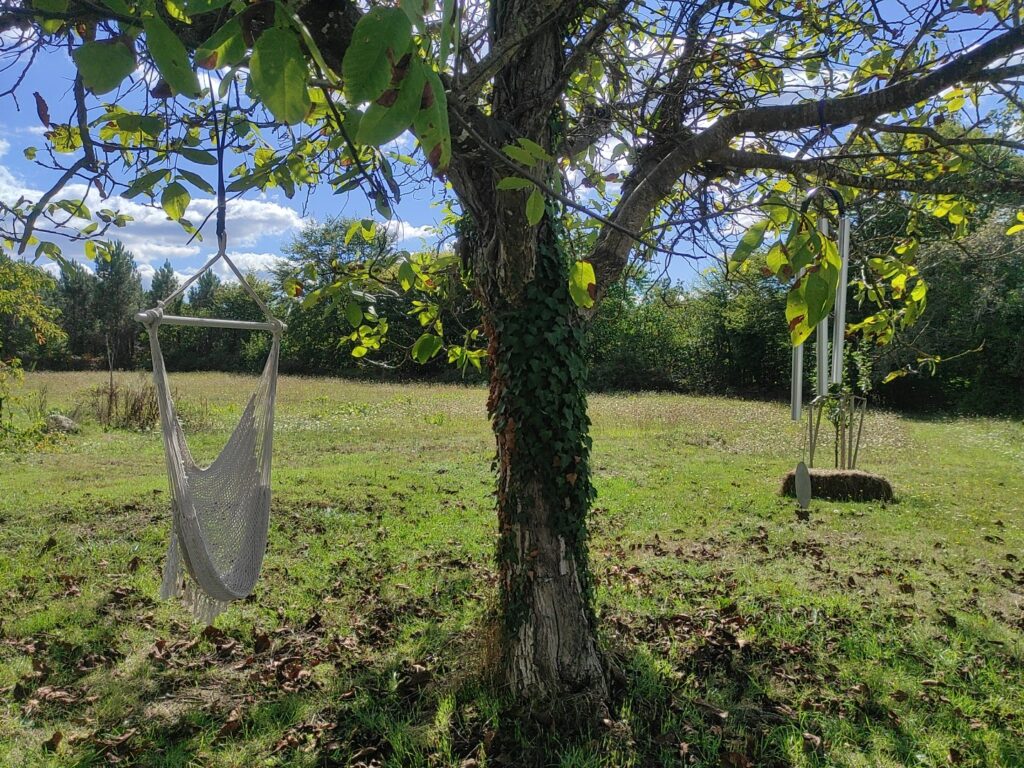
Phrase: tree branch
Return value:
(679, 154)
(825, 171)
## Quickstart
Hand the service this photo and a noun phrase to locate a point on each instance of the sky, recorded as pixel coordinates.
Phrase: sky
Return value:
(259, 225)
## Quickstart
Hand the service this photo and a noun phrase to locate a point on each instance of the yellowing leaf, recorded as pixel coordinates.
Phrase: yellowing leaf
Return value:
(583, 284)
(175, 200)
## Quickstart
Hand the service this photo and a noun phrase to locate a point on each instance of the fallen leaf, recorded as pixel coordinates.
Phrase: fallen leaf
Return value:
(51, 744)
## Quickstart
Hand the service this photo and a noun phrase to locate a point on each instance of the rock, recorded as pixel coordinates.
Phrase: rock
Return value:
(57, 422)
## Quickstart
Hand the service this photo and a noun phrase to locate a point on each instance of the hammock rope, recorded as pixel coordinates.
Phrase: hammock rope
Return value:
(221, 512)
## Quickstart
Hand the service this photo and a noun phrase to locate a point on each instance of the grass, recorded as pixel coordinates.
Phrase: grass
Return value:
(868, 635)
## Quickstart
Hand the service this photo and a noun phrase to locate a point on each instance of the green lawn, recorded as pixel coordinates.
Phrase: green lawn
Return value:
(868, 635)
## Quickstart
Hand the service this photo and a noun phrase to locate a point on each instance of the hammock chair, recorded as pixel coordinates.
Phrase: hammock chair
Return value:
(220, 513)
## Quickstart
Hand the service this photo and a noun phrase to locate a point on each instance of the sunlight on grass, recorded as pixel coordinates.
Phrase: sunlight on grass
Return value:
(870, 635)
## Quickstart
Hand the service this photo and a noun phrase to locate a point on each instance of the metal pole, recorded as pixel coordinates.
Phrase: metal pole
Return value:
(839, 332)
(821, 332)
(796, 384)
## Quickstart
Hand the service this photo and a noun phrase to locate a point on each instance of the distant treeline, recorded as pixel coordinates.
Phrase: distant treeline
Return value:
(718, 336)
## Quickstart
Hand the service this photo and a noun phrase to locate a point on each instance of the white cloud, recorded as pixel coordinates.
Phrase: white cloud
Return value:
(153, 237)
(404, 232)
(260, 263)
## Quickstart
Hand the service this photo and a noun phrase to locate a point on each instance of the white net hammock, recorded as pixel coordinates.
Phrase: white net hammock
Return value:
(220, 513)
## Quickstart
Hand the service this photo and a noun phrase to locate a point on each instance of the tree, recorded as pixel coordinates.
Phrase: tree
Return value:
(118, 297)
(26, 320)
(164, 283)
(325, 252)
(650, 127)
(201, 294)
(77, 295)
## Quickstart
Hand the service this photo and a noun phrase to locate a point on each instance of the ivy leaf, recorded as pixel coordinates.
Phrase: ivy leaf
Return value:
(175, 200)
(279, 75)
(382, 123)
(426, 347)
(104, 64)
(170, 57)
(583, 284)
(535, 207)
(224, 48)
(379, 40)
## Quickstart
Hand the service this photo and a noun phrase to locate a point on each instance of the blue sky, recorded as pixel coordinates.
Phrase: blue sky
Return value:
(258, 225)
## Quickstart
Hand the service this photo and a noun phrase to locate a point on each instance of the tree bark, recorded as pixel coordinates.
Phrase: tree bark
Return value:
(537, 404)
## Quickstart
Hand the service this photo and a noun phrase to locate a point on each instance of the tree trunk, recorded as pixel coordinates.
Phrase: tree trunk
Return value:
(538, 406)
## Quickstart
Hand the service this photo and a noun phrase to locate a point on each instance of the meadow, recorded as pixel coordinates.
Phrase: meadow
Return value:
(743, 634)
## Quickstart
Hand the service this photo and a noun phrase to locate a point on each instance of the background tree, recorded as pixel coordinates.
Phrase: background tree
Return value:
(392, 285)
(27, 322)
(201, 294)
(118, 297)
(660, 125)
(164, 283)
(77, 293)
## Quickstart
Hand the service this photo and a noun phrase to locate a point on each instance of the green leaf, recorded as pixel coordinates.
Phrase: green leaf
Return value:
(796, 315)
(431, 124)
(144, 183)
(104, 64)
(536, 150)
(175, 200)
(447, 29)
(170, 57)
(195, 7)
(414, 10)
(382, 123)
(280, 75)
(406, 276)
(359, 351)
(535, 207)
(197, 181)
(583, 284)
(749, 243)
(354, 314)
(380, 39)
(198, 156)
(426, 347)
(224, 48)
(819, 296)
(520, 155)
(514, 182)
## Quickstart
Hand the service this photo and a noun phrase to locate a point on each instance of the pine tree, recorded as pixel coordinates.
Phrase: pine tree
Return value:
(165, 282)
(76, 292)
(202, 294)
(118, 297)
